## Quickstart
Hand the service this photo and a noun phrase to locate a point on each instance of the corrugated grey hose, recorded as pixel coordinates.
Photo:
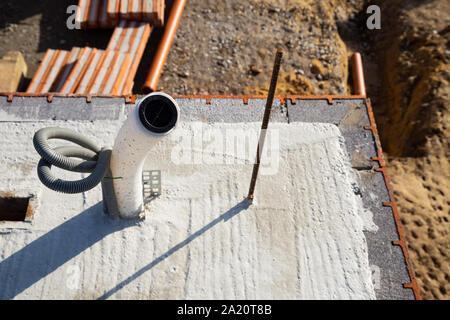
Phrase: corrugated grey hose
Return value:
(96, 160)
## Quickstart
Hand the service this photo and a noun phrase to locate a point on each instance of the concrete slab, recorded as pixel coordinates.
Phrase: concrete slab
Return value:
(61, 108)
(351, 116)
(316, 231)
(303, 238)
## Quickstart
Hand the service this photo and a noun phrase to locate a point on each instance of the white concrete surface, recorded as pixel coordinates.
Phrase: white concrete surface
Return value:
(301, 239)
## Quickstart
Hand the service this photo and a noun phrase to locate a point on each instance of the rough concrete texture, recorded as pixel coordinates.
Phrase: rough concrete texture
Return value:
(61, 108)
(387, 260)
(49, 247)
(302, 238)
(12, 70)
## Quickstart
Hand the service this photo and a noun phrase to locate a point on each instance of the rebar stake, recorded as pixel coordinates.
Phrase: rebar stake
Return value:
(265, 122)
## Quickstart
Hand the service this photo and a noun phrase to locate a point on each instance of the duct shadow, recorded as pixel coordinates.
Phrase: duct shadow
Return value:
(243, 205)
(50, 251)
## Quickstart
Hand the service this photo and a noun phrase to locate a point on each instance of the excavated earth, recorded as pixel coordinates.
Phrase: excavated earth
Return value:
(227, 47)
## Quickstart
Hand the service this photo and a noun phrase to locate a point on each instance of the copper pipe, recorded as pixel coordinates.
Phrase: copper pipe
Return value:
(358, 75)
(164, 46)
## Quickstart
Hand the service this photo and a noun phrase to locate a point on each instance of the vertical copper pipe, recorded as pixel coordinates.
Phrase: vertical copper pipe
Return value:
(358, 75)
(164, 46)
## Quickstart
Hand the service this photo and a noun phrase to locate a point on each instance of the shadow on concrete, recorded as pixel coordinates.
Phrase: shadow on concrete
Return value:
(49, 252)
(243, 205)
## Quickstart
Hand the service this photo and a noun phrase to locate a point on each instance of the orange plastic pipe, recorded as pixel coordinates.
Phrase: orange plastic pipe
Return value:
(164, 47)
(358, 75)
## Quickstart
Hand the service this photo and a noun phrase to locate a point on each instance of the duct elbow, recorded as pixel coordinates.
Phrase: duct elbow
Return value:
(158, 113)
(155, 116)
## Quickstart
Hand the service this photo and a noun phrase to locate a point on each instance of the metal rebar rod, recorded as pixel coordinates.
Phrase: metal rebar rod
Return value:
(265, 122)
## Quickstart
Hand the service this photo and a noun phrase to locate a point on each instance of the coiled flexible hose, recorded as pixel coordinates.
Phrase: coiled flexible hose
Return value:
(96, 160)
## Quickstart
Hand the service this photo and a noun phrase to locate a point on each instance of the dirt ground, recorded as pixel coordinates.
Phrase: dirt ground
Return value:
(413, 116)
(227, 47)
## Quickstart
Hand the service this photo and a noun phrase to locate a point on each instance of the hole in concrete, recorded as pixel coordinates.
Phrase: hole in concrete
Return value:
(13, 209)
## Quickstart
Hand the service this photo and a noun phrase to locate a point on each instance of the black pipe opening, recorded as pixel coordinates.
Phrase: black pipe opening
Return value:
(158, 113)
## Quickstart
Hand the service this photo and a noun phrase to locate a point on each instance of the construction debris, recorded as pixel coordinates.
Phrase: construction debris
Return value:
(108, 13)
(93, 71)
(106, 72)
(12, 70)
(130, 37)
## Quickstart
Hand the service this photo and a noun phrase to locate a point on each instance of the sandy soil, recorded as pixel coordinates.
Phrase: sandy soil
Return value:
(413, 117)
(226, 47)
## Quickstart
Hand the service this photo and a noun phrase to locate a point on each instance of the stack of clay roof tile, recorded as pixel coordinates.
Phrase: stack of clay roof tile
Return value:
(93, 71)
(108, 13)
